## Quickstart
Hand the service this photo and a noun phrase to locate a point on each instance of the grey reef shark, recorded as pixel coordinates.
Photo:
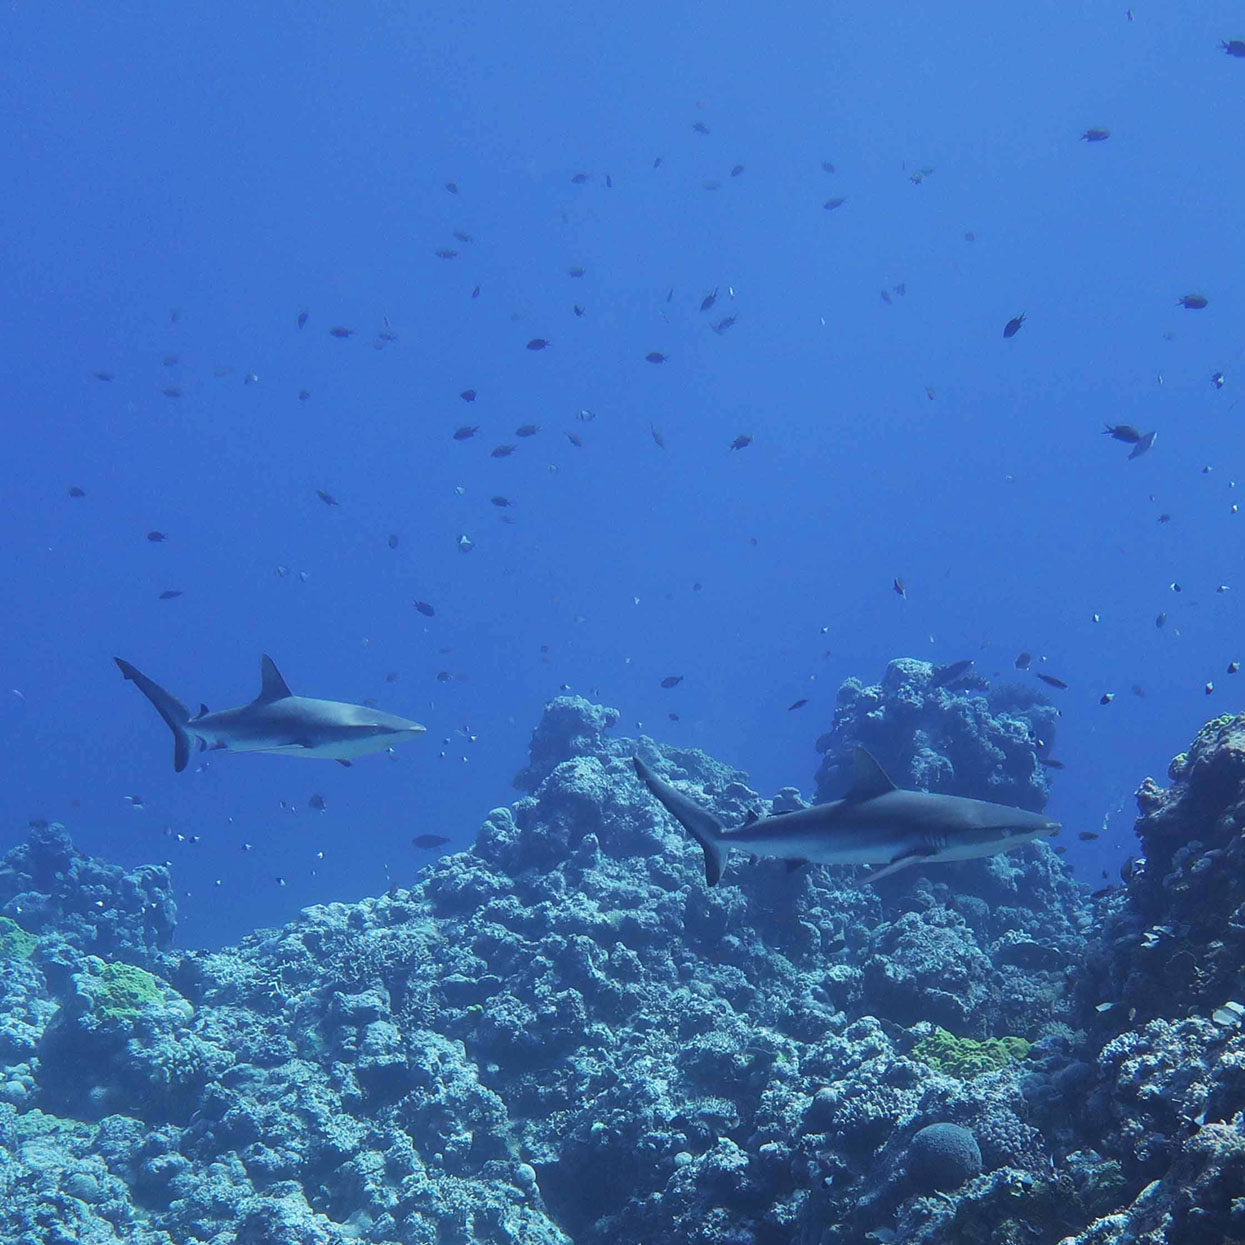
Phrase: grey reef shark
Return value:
(276, 721)
(876, 823)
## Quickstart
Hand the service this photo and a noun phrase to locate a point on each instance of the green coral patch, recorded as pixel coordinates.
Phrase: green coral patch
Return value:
(120, 991)
(966, 1058)
(15, 942)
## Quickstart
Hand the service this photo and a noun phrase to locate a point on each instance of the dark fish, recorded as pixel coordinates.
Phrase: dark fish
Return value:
(1122, 432)
(1164, 518)
(475, 292)
(1050, 678)
(609, 182)
(537, 343)
(831, 204)
(725, 323)
(156, 537)
(340, 331)
(1106, 698)
(657, 162)
(1023, 660)
(502, 451)
(462, 236)
(170, 360)
(392, 677)
(316, 802)
(304, 394)
(1161, 620)
(1143, 444)
(425, 609)
(1233, 47)
(735, 172)
(425, 842)
(452, 187)
(171, 391)
(708, 300)
(466, 431)
(799, 704)
(574, 440)
(74, 491)
(1087, 836)
(657, 437)
(1012, 327)
(1233, 667)
(672, 680)
(577, 309)
(327, 498)
(674, 717)
(302, 319)
(576, 272)
(898, 585)
(104, 375)
(1193, 302)
(578, 179)
(700, 127)
(446, 253)
(1051, 763)
(393, 540)
(827, 166)
(169, 593)
(501, 501)
(742, 441)
(947, 675)
(656, 356)
(527, 430)
(1096, 134)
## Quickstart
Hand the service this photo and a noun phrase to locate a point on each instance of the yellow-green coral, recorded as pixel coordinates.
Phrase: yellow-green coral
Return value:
(120, 991)
(966, 1058)
(15, 942)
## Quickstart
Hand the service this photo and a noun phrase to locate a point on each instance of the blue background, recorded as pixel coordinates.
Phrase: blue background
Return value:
(239, 166)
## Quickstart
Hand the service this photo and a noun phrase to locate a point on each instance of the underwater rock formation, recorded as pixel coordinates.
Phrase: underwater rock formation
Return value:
(563, 1036)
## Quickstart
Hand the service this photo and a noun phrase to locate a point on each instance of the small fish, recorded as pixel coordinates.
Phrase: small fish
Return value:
(1122, 432)
(672, 680)
(827, 166)
(674, 717)
(392, 677)
(742, 441)
(452, 187)
(1233, 47)
(799, 704)
(1209, 688)
(502, 451)
(725, 323)
(735, 172)
(466, 432)
(1012, 327)
(656, 356)
(156, 538)
(1096, 134)
(576, 271)
(393, 540)
(1161, 620)
(446, 253)
(170, 593)
(1087, 836)
(316, 802)
(574, 440)
(425, 609)
(1106, 698)
(537, 343)
(577, 309)
(657, 437)
(527, 430)
(304, 394)
(709, 300)
(1052, 680)
(586, 416)
(462, 236)
(468, 395)
(327, 498)
(465, 544)
(1023, 660)
(1234, 667)
(426, 842)
(946, 675)
(501, 501)
(339, 330)
(74, 491)
(171, 391)
(898, 585)
(578, 179)
(831, 204)
(700, 127)
(104, 375)
(1193, 302)
(1051, 763)
(1217, 380)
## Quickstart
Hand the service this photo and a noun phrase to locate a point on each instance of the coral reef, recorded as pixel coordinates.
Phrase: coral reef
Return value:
(563, 1035)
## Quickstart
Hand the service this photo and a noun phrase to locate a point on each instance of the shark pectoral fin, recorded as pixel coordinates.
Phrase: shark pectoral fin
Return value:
(902, 862)
(701, 824)
(869, 779)
(273, 686)
(347, 764)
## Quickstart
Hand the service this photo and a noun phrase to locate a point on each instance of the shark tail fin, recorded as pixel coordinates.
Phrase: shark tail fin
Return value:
(169, 708)
(702, 825)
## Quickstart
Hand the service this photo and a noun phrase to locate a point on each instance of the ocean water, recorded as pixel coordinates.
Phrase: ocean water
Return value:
(771, 254)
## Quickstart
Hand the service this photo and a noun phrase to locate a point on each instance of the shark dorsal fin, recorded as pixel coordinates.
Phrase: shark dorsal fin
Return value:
(274, 686)
(203, 711)
(868, 777)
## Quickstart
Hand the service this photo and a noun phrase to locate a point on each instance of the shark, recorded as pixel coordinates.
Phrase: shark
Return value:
(876, 823)
(276, 721)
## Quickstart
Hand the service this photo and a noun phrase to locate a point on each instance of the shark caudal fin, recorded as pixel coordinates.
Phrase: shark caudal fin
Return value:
(169, 708)
(702, 825)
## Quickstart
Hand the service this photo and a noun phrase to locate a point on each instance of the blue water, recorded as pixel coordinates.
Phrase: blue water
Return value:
(185, 184)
